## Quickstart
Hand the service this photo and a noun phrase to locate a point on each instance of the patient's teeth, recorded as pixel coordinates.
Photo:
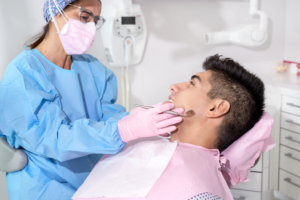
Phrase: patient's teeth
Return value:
(169, 101)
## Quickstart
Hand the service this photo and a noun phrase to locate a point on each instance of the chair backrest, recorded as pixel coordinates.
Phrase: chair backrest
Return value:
(11, 159)
(239, 157)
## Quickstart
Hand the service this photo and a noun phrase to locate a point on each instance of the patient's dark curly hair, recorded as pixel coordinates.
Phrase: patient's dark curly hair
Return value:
(243, 90)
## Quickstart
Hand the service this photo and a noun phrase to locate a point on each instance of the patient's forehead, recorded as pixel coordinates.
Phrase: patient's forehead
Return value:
(204, 76)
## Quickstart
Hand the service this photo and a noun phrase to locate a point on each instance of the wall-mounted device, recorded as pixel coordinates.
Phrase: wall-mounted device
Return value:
(249, 35)
(124, 37)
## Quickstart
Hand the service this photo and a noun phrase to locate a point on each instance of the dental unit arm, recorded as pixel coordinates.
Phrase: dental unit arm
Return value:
(11, 159)
(249, 35)
(259, 34)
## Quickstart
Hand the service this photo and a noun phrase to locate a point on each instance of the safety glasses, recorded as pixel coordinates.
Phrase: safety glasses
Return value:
(86, 16)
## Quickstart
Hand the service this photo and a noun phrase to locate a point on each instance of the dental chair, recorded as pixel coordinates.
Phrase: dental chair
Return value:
(11, 159)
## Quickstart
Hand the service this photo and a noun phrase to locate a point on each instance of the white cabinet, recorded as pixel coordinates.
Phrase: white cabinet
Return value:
(289, 185)
(245, 195)
(289, 162)
(290, 122)
(254, 184)
(290, 105)
(258, 167)
(257, 187)
(290, 139)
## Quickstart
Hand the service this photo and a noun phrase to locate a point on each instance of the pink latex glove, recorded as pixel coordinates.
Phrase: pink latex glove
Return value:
(148, 122)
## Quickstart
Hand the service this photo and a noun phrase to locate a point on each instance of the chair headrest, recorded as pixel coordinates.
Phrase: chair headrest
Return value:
(239, 157)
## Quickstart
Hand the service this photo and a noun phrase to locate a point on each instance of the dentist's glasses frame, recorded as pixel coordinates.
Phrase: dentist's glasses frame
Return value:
(86, 16)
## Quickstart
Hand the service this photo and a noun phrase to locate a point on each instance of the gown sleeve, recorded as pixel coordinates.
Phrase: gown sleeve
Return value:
(109, 98)
(31, 118)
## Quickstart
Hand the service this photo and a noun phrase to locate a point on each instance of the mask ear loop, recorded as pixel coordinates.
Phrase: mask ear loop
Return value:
(52, 16)
(62, 12)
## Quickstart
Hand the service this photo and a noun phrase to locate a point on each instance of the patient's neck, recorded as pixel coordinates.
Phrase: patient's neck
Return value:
(194, 132)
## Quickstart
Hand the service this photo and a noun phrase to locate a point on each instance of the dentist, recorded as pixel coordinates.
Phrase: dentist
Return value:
(57, 103)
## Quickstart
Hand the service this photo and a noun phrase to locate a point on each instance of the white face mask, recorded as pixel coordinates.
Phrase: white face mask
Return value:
(75, 36)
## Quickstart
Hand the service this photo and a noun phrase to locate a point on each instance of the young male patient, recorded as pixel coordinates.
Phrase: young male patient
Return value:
(228, 101)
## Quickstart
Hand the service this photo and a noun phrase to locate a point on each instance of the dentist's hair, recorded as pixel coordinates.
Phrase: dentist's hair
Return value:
(243, 90)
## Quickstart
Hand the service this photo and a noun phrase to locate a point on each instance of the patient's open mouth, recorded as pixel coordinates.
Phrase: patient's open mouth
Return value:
(169, 101)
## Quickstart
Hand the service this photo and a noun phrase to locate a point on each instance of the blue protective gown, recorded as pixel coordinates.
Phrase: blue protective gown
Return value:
(63, 119)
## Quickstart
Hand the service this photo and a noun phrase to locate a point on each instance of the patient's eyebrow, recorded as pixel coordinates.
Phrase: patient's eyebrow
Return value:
(196, 77)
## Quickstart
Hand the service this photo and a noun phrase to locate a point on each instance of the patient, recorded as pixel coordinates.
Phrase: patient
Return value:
(228, 101)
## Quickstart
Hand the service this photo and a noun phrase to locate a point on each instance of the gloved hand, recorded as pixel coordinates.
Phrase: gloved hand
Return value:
(148, 122)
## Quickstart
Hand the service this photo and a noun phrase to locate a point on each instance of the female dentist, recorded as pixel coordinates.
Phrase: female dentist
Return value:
(57, 103)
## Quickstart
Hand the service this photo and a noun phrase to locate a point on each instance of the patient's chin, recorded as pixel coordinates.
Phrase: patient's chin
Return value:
(175, 105)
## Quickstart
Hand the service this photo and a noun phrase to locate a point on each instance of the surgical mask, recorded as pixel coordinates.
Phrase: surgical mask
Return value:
(75, 36)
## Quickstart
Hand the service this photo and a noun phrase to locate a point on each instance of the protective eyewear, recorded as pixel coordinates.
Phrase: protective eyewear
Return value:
(86, 16)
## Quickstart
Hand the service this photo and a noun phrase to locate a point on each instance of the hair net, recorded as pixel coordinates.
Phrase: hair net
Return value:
(61, 3)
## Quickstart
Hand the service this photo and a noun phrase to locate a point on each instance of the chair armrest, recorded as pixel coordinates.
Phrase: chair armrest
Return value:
(11, 159)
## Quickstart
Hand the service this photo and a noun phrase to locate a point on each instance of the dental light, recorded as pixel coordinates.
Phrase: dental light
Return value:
(249, 35)
(124, 37)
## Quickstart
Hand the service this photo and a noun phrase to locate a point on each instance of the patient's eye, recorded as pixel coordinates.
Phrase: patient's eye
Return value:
(192, 83)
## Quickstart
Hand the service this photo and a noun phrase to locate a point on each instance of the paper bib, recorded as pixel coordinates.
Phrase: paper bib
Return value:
(130, 173)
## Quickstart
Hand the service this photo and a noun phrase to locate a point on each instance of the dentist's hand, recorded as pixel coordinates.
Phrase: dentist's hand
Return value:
(148, 122)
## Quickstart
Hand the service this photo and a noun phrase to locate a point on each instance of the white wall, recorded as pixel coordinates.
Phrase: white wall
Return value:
(175, 48)
(292, 30)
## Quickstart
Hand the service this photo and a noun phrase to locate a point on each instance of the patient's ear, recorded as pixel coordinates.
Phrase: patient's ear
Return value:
(217, 108)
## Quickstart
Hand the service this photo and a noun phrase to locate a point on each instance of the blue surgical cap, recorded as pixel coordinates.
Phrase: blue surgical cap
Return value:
(61, 4)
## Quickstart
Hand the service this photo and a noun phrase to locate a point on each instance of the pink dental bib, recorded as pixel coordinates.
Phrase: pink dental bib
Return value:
(240, 156)
(192, 170)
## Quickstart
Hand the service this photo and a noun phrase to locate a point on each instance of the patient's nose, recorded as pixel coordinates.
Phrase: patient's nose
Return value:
(175, 88)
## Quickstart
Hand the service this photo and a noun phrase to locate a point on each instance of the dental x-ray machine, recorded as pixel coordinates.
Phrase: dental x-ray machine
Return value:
(124, 37)
(249, 35)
